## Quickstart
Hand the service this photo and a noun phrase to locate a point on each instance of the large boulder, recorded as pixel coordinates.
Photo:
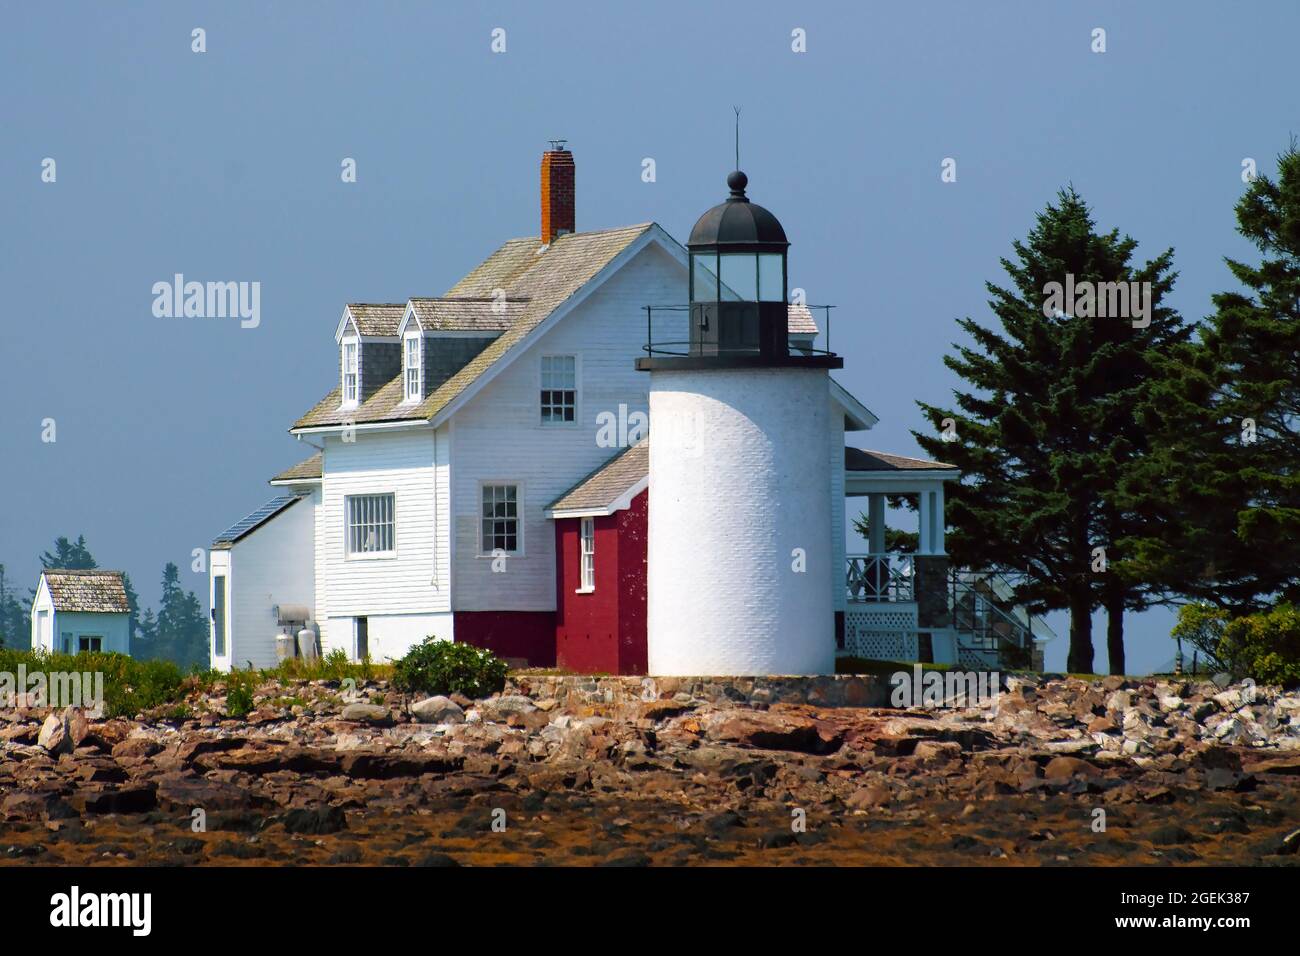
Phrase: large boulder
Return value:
(55, 736)
(368, 714)
(437, 710)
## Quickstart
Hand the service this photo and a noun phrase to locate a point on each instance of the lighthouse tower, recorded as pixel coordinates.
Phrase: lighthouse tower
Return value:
(739, 551)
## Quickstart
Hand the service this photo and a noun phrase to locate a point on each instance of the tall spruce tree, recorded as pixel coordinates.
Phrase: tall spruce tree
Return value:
(1229, 423)
(1046, 433)
(181, 629)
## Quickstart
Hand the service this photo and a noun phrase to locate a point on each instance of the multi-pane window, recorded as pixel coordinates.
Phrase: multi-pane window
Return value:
(349, 373)
(85, 644)
(369, 524)
(500, 518)
(414, 372)
(587, 546)
(559, 388)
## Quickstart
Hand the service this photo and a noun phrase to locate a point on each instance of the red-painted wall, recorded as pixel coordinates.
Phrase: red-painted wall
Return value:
(525, 634)
(603, 631)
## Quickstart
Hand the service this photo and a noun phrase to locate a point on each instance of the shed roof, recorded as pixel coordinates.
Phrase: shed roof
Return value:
(246, 526)
(94, 591)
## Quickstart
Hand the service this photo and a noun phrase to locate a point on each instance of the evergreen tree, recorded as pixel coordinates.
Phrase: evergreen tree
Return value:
(1230, 424)
(181, 628)
(15, 623)
(68, 555)
(1046, 434)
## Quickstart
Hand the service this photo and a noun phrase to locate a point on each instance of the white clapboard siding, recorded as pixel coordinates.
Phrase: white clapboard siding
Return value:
(413, 581)
(273, 565)
(498, 436)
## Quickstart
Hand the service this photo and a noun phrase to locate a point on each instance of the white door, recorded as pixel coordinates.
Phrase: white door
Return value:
(44, 635)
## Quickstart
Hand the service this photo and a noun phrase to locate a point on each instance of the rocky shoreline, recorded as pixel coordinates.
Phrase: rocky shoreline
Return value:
(617, 771)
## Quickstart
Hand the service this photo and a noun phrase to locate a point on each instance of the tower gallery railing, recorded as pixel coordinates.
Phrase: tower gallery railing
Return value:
(682, 347)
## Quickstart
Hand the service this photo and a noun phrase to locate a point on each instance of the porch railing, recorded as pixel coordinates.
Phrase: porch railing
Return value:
(880, 577)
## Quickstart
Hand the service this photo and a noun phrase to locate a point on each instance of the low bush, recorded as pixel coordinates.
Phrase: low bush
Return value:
(1265, 646)
(130, 685)
(436, 666)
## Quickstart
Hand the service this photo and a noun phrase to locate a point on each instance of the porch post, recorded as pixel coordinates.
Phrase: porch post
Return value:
(876, 523)
(938, 521)
(923, 543)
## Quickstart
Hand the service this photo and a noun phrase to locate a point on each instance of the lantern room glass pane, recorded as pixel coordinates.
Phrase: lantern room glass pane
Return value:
(705, 287)
(771, 282)
(739, 275)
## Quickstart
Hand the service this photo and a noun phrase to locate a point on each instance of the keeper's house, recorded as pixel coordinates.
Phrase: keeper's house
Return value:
(81, 611)
(603, 451)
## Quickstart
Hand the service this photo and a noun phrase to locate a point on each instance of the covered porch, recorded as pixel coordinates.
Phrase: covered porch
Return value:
(896, 600)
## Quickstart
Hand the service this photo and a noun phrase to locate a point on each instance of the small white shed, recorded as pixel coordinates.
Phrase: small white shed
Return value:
(78, 611)
(261, 564)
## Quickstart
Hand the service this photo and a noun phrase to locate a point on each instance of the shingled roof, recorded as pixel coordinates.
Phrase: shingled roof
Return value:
(800, 320)
(539, 278)
(95, 591)
(308, 470)
(859, 459)
(485, 314)
(601, 490)
(379, 319)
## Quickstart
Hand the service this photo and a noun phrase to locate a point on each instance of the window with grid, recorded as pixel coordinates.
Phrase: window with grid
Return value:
(414, 371)
(559, 388)
(500, 518)
(349, 373)
(587, 542)
(370, 524)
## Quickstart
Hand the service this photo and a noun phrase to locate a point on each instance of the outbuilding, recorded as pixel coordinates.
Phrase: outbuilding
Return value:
(78, 611)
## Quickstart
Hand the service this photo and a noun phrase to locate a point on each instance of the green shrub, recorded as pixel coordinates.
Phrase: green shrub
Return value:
(1265, 646)
(443, 667)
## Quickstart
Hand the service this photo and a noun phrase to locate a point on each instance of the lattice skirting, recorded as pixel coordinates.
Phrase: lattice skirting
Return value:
(886, 632)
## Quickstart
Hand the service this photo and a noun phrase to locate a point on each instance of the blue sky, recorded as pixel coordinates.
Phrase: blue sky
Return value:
(225, 166)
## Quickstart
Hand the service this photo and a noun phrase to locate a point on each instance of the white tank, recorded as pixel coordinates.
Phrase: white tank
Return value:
(740, 479)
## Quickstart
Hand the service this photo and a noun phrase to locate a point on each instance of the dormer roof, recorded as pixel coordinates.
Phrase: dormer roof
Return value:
(538, 278)
(489, 315)
(371, 320)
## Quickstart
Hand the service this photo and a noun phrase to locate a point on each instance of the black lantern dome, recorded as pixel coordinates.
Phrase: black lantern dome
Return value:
(739, 315)
(737, 221)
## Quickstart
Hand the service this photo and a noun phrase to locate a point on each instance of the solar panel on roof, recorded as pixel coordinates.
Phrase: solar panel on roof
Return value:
(261, 515)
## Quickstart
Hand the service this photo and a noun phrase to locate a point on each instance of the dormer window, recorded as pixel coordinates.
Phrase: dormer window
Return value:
(413, 368)
(351, 378)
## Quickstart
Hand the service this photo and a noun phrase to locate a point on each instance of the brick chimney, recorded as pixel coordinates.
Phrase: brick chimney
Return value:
(557, 191)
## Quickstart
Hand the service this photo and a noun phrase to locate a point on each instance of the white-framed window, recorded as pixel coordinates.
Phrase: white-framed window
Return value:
(587, 552)
(559, 389)
(370, 525)
(414, 367)
(87, 642)
(500, 526)
(351, 371)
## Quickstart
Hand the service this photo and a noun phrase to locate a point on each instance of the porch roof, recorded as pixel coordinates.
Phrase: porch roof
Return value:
(860, 459)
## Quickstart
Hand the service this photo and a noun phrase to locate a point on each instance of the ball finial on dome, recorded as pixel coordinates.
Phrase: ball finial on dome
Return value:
(737, 181)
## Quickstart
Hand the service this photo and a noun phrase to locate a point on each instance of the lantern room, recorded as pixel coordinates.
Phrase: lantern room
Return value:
(738, 279)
